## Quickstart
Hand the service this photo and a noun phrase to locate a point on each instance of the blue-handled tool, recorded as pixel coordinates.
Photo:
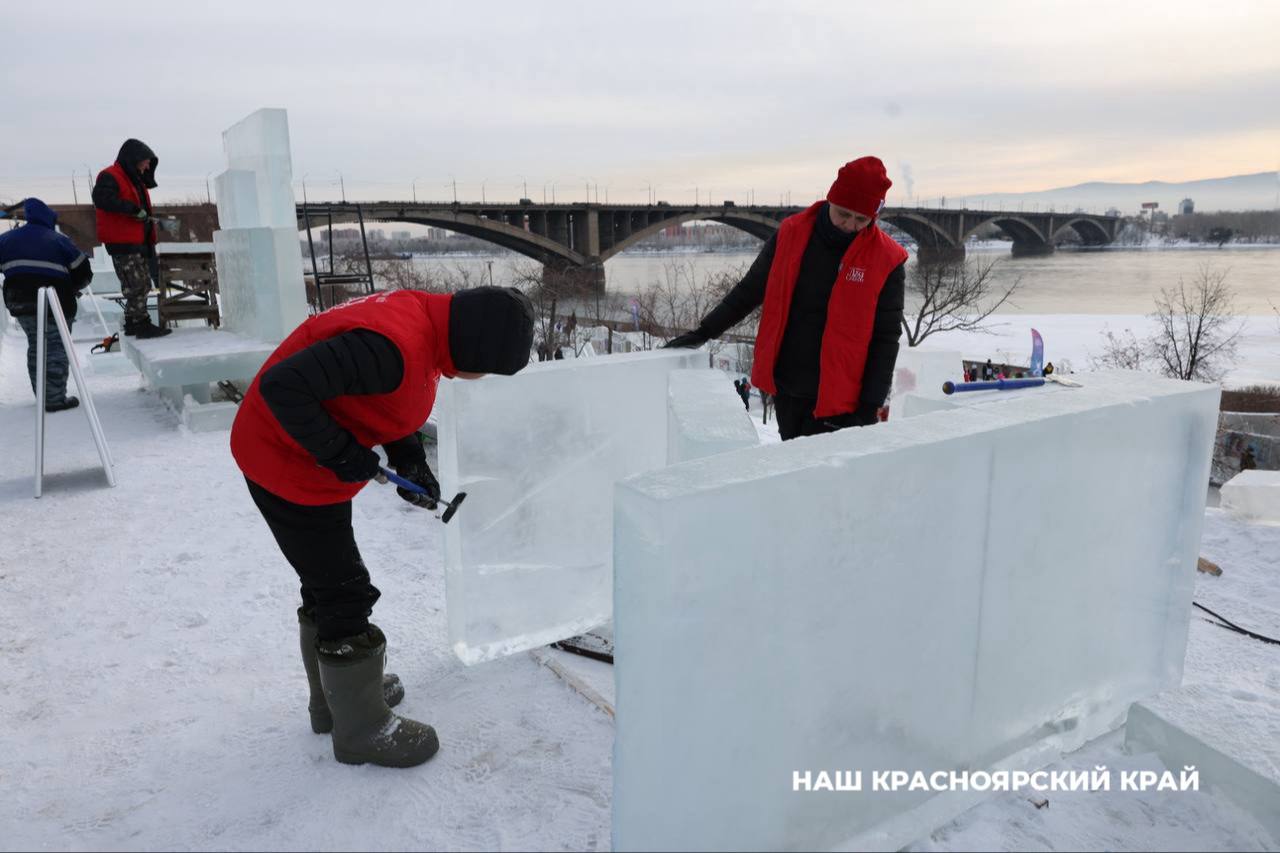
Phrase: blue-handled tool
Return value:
(993, 385)
(450, 508)
(1008, 384)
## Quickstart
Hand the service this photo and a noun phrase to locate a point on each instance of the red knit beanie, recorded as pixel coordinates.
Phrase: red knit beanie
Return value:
(861, 186)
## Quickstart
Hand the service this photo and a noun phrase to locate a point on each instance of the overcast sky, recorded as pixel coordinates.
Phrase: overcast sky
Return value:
(721, 97)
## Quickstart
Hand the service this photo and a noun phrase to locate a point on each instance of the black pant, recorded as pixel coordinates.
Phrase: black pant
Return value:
(321, 546)
(795, 417)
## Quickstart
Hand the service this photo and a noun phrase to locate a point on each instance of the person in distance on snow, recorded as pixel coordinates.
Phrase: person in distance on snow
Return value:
(832, 285)
(33, 256)
(360, 374)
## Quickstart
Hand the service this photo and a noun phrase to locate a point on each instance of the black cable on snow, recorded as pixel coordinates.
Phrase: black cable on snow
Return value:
(1231, 626)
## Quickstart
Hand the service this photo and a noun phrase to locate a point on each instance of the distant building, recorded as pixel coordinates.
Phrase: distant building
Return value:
(1186, 207)
(400, 235)
(1113, 211)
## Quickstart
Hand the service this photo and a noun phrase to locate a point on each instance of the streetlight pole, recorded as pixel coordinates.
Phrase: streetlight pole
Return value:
(208, 196)
(75, 194)
(414, 187)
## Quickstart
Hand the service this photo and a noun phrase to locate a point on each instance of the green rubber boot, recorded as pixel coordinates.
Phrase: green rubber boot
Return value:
(321, 719)
(364, 729)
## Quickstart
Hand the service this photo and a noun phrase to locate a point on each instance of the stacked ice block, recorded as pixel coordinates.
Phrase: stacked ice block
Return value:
(968, 589)
(920, 373)
(529, 559)
(705, 416)
(1254, 495)
(259, 266)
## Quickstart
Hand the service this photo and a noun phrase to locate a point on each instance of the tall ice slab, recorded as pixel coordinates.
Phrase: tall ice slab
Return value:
(259, 265)
(972, 589)
(529, 557)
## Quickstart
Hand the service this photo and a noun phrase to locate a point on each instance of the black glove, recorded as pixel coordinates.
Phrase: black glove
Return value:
(405, 451)
(419, 473)
(355, 464)
(864, 415)
(689, 340)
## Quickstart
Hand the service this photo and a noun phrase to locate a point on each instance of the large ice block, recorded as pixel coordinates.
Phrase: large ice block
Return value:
(260, 281)
(705, 416)
(529, 557)
(922, 372)
(964, 590)
(237, 194)
(259, 144)
(1254, 495)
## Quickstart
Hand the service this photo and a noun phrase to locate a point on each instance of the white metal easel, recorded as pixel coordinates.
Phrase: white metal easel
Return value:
(44, 307)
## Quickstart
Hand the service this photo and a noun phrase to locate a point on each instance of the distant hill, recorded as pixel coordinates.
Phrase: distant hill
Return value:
(1259, 191)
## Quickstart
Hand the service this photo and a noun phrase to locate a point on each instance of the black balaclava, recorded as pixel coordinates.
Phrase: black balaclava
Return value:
(133, 152)
(490, 330)
(830, 234)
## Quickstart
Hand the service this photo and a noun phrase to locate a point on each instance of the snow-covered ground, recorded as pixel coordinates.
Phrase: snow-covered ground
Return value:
(151, 693)
(152, 698)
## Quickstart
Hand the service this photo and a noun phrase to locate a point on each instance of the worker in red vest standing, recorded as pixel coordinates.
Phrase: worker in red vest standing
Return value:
(123, 207)
(832, 285)
(361, 374)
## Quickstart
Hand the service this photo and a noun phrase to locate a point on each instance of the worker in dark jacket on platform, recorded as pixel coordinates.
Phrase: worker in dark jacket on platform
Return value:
(361, 374)
(832, 285)
(125, 226)
(35, 256)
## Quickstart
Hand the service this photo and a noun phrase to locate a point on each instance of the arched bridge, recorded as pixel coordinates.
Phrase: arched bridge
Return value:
(573, 241)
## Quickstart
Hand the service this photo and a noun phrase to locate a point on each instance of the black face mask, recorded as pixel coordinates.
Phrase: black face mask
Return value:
(828, 231)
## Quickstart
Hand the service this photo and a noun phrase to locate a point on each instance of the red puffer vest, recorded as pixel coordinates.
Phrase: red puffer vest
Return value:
(119, 227)
(418, 324)
(851, 312)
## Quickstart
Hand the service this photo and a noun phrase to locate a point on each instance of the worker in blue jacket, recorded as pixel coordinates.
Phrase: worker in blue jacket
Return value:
(33, 256)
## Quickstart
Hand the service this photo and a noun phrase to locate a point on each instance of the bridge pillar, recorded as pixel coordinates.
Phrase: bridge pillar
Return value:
(1031, 250)
(939, 254)
(565, 278)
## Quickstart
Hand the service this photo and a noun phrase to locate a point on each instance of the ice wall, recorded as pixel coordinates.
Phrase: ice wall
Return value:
(966, 589)
(261, 292)
(705, 416)
(529, 558)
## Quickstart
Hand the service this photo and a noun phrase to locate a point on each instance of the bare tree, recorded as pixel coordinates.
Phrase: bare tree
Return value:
(953, 297)
(1123, 351)
(1197, 327)
(527, 277)
(1195, 337)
